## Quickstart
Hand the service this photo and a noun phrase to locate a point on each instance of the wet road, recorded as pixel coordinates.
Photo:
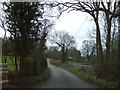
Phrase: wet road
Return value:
(63, 79)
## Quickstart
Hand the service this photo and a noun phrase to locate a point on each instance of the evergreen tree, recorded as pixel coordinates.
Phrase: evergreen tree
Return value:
(28, 29)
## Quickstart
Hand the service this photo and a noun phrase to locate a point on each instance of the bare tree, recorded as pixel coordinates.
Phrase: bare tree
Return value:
(92, 8)
(64, 41)
(88, 49)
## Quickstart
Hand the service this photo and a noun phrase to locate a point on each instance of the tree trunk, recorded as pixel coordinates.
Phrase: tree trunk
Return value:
(42, 62)
(100, 53)
(66, 55)
(22, 69)
(63, 54)
(23, 54)
(108, 39)
(100, 57)
(119, 52)
(16, 65)
(108, 44)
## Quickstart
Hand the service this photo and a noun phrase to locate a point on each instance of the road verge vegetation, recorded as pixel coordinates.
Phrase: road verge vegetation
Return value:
(43, 76)
(30, 80)
(87, 76)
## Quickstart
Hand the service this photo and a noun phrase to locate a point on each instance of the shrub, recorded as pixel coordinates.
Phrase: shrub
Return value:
(29, 65)
(43, 76)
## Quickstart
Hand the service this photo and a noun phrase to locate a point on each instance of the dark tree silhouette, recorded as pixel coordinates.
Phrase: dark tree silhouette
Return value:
(28, 28)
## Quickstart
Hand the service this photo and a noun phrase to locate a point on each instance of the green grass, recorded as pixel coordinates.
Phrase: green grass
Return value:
(99, 82)
(10, 64)
(80, 62)
(11, 68)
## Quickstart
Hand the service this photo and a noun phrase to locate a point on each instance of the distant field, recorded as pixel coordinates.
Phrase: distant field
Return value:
(81, 62)
(10, 64)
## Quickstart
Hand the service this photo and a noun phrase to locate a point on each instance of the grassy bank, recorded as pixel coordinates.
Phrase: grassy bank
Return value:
(86, 76)
(31, 80)
(28, 81)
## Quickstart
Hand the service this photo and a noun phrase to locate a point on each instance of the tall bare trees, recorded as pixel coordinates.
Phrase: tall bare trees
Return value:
(95, 9)
(92, 8)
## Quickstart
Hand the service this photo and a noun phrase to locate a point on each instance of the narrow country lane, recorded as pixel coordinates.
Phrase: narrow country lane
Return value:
(63, 79)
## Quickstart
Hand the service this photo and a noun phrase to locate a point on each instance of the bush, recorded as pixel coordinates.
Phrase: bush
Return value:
(29, 65)
(52, 61)
(30, 80)
(42, 77)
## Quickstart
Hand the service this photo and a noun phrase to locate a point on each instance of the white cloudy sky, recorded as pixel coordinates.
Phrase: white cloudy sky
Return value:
(76, 23)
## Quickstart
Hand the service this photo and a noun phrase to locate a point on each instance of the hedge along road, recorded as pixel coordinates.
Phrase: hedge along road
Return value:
(63, 79)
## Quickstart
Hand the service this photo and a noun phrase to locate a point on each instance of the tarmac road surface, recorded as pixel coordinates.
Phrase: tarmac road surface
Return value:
(63, 79)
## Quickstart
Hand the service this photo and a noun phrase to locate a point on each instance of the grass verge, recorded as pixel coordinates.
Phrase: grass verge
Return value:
(99, 82)
(28, 81)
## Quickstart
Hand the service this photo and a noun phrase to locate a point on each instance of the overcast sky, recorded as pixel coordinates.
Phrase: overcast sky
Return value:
(77, 24)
